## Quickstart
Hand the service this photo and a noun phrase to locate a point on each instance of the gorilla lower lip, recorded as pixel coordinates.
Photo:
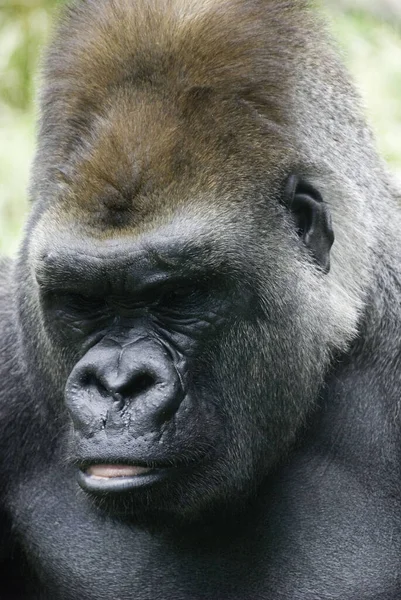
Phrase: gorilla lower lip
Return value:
(105, 479)
(113, 471)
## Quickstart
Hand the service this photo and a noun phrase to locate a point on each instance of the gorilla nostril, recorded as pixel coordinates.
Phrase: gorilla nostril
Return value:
(129, 386)
(89, 379)
(139, 384)
(85, 378)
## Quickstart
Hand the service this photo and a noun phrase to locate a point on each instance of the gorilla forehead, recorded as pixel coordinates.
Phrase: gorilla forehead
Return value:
(144, 161)
(141, 150)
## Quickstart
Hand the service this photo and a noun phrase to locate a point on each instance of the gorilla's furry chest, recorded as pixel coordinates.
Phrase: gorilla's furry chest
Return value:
(78, 552)
(75, 551)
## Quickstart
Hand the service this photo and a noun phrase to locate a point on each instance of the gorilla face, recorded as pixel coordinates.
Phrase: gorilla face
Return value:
(144, 330)
(185, 355)
(176, 297)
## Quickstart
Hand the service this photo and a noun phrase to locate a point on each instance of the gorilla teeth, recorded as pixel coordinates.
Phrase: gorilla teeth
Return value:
(109, 471)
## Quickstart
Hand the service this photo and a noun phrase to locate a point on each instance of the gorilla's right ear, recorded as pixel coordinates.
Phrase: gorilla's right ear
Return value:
(312, 219)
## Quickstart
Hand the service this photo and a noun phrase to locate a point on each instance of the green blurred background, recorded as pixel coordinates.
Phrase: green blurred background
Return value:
(368, 31)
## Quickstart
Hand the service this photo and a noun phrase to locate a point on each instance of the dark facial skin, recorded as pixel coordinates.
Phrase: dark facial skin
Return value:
(135, 393)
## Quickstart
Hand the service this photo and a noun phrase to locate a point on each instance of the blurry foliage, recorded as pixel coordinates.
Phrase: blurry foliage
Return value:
(24, 26)
(371, 48)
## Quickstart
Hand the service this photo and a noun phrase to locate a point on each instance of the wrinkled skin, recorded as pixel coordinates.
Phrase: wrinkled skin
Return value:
(200, 338)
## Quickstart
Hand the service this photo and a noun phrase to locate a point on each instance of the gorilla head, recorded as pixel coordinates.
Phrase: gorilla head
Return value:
(183, 296)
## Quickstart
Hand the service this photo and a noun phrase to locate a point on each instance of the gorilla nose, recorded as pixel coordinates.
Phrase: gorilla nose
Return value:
(113, 380)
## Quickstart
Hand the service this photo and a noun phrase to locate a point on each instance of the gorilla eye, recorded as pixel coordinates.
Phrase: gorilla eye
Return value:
(173, 297)
(185, 297)
(81, 303)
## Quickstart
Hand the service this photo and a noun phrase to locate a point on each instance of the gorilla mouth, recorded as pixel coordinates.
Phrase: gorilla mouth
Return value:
(114, 478)
(111, 471)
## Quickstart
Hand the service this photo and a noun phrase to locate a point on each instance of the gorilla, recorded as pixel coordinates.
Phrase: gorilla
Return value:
(200, 341)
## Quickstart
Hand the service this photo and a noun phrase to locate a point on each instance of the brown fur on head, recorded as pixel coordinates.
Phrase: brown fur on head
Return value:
(145, 94)
(174, 46)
